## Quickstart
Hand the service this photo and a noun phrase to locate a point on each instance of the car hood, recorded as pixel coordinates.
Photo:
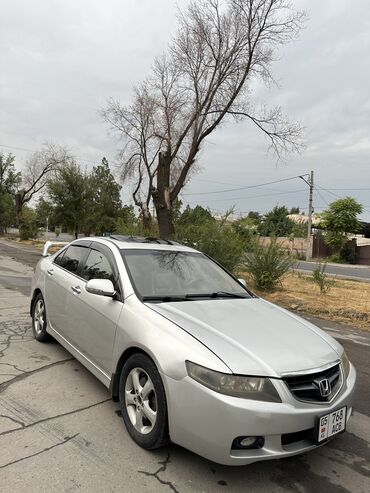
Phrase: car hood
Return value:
(252, 336)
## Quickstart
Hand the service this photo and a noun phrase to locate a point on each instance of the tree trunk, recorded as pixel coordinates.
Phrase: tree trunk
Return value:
(162, 197)
(165, 224)
(146, 217)
(19, 201)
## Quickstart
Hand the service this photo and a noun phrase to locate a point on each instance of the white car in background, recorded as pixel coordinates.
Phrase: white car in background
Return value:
(190, 353)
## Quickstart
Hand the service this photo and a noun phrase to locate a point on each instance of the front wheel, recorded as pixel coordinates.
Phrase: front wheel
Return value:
(39, 319)
(143, 402)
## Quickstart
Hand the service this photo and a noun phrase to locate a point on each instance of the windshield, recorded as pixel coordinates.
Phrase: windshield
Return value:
(166, 275)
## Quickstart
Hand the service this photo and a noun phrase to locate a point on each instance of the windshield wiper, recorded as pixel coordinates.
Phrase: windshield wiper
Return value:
(165, 299)
(217, 294)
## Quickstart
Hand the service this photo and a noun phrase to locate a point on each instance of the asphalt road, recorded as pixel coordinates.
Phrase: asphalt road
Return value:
(60, 432)
(345, 271)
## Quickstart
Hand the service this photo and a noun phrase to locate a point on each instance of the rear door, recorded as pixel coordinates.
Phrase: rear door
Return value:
(62, 276)
(96, 316)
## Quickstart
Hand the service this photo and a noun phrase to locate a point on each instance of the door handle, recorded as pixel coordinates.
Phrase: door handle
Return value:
(76, 289)
(50, 272)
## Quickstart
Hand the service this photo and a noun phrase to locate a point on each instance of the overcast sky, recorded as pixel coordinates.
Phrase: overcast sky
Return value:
(61, 59)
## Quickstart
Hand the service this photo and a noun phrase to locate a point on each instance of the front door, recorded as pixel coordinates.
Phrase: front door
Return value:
(96, 317)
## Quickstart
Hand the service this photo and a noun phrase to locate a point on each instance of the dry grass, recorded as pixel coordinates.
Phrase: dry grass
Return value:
(346, 301)
(38, 244)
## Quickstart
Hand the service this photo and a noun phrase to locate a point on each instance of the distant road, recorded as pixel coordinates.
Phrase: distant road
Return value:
(345, 271)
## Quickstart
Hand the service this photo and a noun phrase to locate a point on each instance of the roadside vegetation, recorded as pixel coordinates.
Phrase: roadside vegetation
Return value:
(321, 279)
(267, 265)
(346, 302)
(202, 81)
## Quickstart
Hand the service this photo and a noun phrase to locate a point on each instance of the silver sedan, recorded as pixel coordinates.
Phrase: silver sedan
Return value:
(190, 353)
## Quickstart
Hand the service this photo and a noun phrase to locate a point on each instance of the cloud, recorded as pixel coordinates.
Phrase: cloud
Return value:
(61, 60)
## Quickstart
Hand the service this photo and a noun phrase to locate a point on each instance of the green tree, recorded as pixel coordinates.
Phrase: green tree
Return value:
(254, 216)
(127, 222)
(45, 214)
(198, 229)
(103, 195)
(9, 182)
(68, 193)
(196, 216)
(28, 226)
(276, 223)
(339, 220)
(246, 228)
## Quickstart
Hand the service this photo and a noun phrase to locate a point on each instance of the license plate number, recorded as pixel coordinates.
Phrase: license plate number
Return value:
(332, 424)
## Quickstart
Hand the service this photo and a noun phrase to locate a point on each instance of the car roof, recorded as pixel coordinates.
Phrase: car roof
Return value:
(124, 242)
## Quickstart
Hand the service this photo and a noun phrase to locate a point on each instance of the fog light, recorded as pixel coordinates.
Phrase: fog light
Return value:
(248, 442)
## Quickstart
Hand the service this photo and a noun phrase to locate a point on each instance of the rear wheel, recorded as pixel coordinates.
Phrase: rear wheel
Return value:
(143, 402)
(39, 319)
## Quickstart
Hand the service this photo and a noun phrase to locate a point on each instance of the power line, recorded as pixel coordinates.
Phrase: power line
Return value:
(360, 188)
(321, 196)
(339, 197)
(253, 196)
(243, 188)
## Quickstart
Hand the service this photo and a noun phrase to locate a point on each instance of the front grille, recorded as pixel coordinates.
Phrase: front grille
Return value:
(307, 387)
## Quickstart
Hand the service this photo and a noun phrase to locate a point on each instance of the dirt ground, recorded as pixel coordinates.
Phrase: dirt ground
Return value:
(346, 301)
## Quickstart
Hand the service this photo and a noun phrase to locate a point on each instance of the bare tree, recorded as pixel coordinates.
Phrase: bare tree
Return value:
(203, 80)
(38, 169)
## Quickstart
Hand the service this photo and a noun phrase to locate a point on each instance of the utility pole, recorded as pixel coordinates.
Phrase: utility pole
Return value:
(310, 211)
(309, 222)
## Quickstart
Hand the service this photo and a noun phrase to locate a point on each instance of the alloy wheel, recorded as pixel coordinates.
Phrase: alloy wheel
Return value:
(39, 316)
(141, 400)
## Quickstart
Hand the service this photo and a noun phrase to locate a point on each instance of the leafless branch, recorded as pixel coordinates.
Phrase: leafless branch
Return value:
(203, 80)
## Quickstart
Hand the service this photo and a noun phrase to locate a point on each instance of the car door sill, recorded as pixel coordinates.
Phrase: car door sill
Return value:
(92, 367)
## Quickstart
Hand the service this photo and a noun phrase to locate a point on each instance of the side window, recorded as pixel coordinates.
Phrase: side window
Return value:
(59, 258)
(72, 258)
(97, 266)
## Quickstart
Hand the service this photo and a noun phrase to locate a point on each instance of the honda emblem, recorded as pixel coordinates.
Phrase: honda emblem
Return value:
(324, 387)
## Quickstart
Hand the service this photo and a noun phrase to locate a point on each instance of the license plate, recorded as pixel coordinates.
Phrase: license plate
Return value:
(332, 424)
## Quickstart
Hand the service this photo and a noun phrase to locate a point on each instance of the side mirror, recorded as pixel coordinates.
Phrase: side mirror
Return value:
(242, 281)
(101, 287)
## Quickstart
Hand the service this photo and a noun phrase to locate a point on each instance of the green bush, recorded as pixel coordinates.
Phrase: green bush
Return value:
(215, 238)
(320, 277)
(28, 225)
(267, 264)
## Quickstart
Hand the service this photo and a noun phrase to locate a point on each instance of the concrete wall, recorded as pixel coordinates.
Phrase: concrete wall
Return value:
(294, 245)
(363, 254)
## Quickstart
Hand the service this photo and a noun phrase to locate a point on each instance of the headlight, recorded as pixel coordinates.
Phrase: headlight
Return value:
(256, 388)
(346, 365)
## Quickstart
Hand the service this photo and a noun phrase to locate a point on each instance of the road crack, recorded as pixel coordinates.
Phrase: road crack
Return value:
(45, 420)
(163, 468)
(46, 449)
(14, 420)
(22, 376)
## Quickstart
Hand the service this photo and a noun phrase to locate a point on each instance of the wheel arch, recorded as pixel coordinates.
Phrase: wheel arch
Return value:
(34, 294)
(114, 385)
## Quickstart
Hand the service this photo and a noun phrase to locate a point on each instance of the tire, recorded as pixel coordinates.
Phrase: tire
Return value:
(144, 408)
(39, 322)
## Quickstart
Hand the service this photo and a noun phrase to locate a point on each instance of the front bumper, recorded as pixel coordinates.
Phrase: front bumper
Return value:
(206, 422)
